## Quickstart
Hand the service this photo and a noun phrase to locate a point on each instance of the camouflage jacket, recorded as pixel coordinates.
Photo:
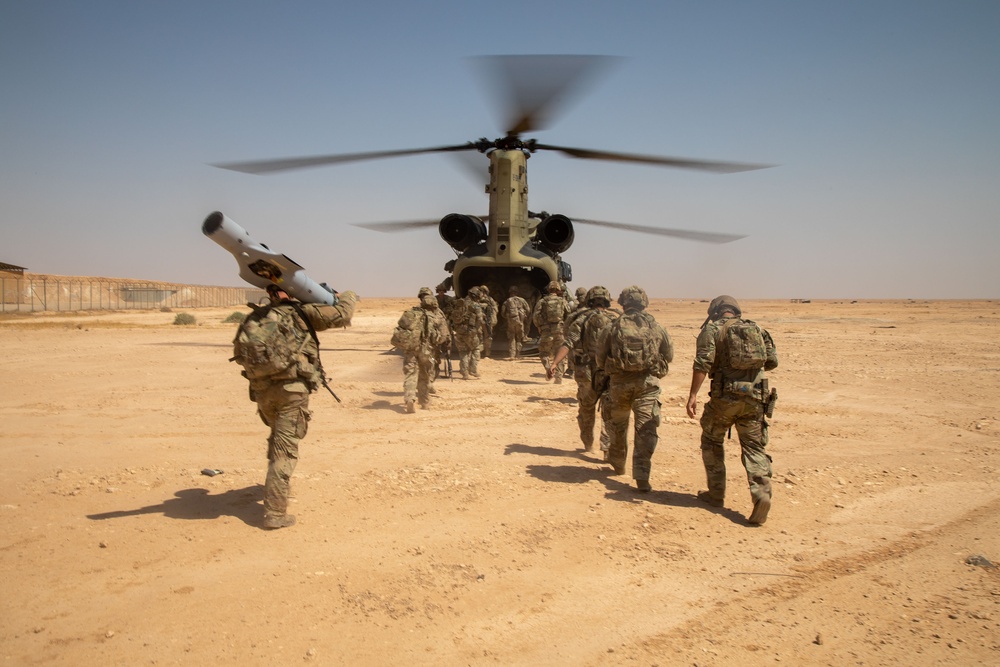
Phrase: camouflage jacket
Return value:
(515, 310)
(307, 374)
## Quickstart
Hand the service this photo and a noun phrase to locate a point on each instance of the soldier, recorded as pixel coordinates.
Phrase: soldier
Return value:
(490, 311)
(516, 313)
(583, 333)
(577, 306)
(735, 353)
(549, 316)
(444, 299)
(419, 334)
(467, 322)
(279, 351)
(445, 303)
(635, 351)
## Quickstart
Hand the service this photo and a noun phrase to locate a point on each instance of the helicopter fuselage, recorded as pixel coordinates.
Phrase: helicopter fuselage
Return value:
(510, 254)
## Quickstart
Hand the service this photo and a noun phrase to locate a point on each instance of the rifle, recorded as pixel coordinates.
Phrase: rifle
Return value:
(327, 385)
(446, 353)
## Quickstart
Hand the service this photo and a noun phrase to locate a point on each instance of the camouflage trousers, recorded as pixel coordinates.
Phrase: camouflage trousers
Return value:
(418, 376)
(747, 415)
(287, 413)
(638, 396)
(549, 341)
(468, 355)
(515, 338)
(486, 347)
(587, 400)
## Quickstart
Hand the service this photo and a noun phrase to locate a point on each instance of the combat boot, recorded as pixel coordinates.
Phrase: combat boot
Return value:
(762, 503)
(410, 407)
(642, 486)
(760, 510)
(707, 498)
(275, 521)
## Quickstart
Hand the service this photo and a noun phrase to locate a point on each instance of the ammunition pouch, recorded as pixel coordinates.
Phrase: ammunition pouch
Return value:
(600, 381)
(739, 388)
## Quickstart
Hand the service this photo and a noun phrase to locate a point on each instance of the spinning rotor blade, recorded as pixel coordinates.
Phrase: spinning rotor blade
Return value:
(530, 88)
(703, 237)
(399, 226)
(404, 225)
(286, 164)
(683, 163)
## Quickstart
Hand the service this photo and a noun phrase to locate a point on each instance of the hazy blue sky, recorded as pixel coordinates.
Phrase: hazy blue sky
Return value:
(884, 117)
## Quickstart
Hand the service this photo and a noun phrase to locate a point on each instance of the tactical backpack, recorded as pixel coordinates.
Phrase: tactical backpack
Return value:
(635, 346)
(744, 344)
(465, 320)
(590, 334)
(411, 330)
(269, 342)
(553, 309)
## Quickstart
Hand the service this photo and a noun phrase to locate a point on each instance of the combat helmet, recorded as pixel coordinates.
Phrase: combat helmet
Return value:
(598, 296)
(721, 303)
(554, 287)
(581, 294)
(425, 291)
(633, 297)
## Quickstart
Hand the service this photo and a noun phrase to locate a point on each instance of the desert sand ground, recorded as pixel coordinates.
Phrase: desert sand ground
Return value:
(478, 532)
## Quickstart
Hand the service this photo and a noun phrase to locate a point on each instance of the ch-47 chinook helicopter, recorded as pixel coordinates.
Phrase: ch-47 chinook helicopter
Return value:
(513, 246)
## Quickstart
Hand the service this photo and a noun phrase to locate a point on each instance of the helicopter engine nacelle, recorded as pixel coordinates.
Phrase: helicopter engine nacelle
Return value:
(462, 232)
(555, 233)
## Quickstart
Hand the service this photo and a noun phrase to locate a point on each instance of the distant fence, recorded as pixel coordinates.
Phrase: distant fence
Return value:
(52, 293)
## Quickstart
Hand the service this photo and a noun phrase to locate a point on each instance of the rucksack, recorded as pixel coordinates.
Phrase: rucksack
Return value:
(591, 328)
(635, 345)
(410, 330)
(269, 342)
(553, 309)
(464, 317)
(744, 344)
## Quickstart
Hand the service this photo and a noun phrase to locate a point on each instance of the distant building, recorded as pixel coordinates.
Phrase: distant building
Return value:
(10, 275)
(15, 271)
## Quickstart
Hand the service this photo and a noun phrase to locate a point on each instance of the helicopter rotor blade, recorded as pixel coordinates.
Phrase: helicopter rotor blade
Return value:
(397, 226)
(529, 89)
(287, 164)
(664, 161)
(404, 225)
(691, 235)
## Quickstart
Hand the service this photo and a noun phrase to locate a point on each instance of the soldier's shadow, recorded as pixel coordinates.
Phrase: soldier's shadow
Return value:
(394, 406)
(620, 490)
(200, 504)
(565, 400)
(518, 448)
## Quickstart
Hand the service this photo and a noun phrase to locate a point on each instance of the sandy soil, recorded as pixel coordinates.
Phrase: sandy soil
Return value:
(477, 532)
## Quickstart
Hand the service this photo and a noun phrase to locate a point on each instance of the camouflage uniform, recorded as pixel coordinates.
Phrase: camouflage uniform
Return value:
(582, 337)
(577, 306)
(490, 311)
(283, 404)
(550, 328)
(419, 361)
(726, 408)
(635, 392)
(443, 351)
(467, 321)
(515, 312)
